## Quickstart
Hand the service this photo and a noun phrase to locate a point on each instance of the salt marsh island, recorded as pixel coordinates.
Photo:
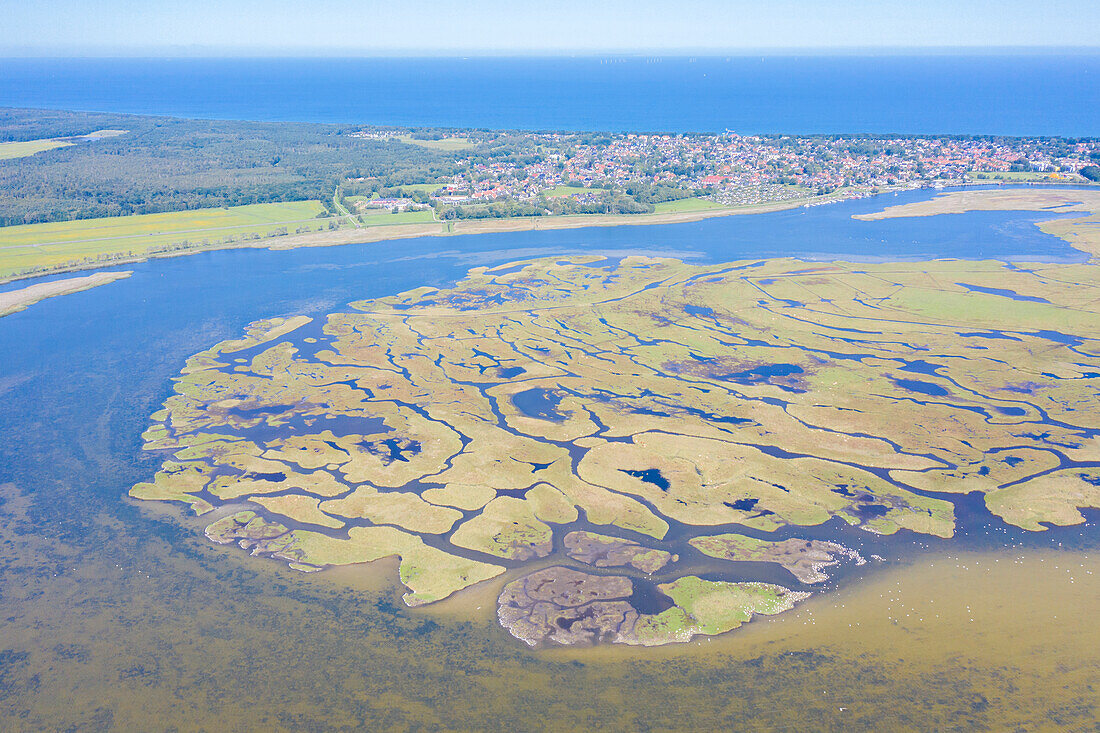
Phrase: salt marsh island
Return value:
(625, 442)
(14, 301)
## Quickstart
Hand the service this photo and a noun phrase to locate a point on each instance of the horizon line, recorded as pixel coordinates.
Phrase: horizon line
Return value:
(195, 51)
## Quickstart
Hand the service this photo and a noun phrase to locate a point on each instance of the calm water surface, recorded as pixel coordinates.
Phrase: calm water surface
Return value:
(118, 616)
(980, 95)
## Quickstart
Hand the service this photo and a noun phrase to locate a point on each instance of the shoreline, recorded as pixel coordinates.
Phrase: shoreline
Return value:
(459, 227)
(385, 233)
(15, 301)
(1080, 231)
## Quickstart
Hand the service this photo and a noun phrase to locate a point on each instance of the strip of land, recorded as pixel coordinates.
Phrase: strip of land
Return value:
(33, 250)
(1056, 200)
(519, 224)
(1082, 233)
(18, 300)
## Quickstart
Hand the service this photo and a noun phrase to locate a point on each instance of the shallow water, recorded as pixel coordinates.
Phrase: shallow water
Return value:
(142, 636)
(110, 613)
(541, 404)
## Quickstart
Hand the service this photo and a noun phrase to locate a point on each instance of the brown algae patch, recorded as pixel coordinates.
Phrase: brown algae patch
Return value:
(601, 551)
(567, 607)
(569, 410)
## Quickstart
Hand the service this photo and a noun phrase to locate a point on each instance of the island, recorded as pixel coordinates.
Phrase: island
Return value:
(618, 439)
(14, 301)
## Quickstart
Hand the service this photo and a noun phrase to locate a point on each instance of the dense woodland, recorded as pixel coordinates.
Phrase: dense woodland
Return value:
(164, 164)
(168, 164)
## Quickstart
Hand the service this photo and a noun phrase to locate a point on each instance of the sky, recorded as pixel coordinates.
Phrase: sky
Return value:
(433, 27)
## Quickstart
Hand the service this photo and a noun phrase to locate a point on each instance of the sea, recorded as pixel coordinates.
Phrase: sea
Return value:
(1036, 94)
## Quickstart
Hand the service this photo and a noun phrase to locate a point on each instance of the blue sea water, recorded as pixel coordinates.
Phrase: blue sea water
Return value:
(935, 94)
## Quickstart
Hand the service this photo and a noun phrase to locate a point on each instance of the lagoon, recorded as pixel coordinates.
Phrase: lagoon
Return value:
(142, 618)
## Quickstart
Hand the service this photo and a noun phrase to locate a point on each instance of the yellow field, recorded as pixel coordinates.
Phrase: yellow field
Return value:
(58, 245)
(25, 148)
(1025, 176)
(9, 151)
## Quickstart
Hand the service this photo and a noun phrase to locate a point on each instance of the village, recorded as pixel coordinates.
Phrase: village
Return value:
(594, 173)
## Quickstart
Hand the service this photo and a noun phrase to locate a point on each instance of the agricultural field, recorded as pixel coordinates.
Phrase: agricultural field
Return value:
(57, 245)
(1026, 177)
(358, 201)
(428, 188)
(382, 217)
(406, 190)
(680, 205)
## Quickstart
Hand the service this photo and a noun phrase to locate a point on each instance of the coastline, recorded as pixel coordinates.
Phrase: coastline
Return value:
(1081, 233)
(441, 229)
(19, 300)
(1053, 200)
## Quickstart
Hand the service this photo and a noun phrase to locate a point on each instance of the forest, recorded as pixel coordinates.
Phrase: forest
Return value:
(168, 164)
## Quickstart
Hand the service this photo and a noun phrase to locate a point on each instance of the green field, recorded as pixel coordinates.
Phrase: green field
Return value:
(681, 205)
(9, 151)
(447, 144)
(25, 148)
(63, 244)
(381, 217)
(1023, 176)
(356, 200)
(422, 187)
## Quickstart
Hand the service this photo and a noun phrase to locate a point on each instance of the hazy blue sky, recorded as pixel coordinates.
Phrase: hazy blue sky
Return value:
(369, 26)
